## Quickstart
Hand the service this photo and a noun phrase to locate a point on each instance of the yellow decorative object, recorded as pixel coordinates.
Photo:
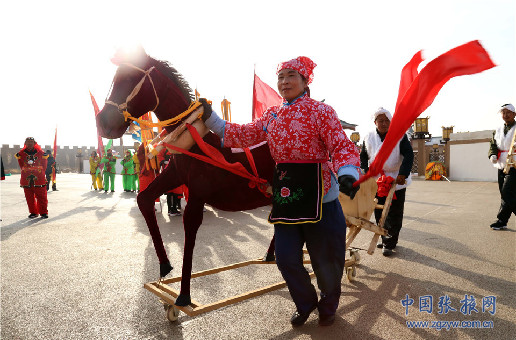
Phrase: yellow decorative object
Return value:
(147, 124)
(435, 171)
(225, 107)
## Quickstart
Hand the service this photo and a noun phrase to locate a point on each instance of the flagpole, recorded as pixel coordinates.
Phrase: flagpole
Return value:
(254, 94)
(55, 161)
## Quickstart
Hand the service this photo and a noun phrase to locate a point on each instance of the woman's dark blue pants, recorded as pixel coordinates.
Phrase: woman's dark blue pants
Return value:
(326, 245)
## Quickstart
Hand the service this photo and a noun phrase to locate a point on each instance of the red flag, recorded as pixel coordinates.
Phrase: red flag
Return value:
(100, 145)
(466, 59)
(263, 97)
(54, 154)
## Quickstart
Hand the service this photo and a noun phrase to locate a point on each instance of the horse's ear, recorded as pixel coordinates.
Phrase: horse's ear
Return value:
(133, 55)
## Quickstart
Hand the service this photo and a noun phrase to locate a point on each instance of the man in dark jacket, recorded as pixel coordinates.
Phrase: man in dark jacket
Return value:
(51, 165)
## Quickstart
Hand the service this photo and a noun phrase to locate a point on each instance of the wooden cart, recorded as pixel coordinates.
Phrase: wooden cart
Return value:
(357, 212)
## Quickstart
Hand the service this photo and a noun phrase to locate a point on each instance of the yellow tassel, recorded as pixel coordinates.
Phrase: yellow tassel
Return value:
(147, 124)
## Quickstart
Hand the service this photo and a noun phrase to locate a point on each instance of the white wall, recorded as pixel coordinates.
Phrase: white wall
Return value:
(469, 162)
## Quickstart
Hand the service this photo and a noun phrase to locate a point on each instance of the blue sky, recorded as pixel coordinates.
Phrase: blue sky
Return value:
(55, 51)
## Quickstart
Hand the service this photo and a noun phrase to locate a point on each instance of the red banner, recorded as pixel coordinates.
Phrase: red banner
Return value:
(263, 97)
(100, 144)
(466, 59)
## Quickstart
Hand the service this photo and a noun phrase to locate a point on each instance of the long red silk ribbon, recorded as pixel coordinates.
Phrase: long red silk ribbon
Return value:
(408, 74)
(217, 159)
(417, 96)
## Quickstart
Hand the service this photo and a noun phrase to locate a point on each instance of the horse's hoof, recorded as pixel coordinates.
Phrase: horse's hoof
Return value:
(269, 257)
(183, 300)
(164, 269)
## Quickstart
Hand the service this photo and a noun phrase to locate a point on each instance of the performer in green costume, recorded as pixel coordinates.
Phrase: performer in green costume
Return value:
(128, 172)
(109, 161)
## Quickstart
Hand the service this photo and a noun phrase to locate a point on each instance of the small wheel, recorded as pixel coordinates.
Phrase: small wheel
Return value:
(172, 313)
(349, 274)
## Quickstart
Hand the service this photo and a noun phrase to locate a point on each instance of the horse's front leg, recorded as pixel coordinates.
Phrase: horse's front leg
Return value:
(192, 220)
(145, 199)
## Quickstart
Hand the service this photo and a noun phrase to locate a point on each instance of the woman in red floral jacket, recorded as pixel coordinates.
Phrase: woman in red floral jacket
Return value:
(33, 164)
(303, 135)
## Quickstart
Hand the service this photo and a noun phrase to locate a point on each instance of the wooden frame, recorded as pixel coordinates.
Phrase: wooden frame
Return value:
(359, 210)
(356, 212)
(168, 295)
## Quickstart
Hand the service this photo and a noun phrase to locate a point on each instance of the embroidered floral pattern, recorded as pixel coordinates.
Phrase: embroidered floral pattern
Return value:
(304, 130)
(285, 192)
(285, 196)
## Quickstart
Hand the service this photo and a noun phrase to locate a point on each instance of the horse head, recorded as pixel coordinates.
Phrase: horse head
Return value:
(142, 84)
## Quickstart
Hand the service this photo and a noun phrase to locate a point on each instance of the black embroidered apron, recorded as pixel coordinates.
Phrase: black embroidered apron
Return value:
(297, 193)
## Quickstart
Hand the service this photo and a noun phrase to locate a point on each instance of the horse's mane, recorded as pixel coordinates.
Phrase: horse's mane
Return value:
(170, 72)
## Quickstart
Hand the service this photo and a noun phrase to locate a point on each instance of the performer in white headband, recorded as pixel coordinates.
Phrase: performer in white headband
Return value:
(397, 166)
(498, 154)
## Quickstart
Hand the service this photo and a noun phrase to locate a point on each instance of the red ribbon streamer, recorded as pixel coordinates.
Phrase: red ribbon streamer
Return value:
(217, 159)
(466, 59)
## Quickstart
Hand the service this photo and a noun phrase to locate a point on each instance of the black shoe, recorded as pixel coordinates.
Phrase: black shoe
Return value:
(379, 245)
(105, 191)
(498, 225)
(112, 190)
(298, 319)
(387, 252)
(33, 215)
(326, 320)
(44, 215)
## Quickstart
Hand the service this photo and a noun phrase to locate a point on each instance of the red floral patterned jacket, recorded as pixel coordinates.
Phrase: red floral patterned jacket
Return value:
(305, 130)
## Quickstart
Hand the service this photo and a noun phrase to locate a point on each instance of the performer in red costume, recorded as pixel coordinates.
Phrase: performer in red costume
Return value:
(33, 163)
(302, 134)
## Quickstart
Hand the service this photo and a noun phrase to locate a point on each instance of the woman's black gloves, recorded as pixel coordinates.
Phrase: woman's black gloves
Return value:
(207, 109)
(346, 185)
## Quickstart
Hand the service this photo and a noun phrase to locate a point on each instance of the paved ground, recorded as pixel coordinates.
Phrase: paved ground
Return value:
(80, 274)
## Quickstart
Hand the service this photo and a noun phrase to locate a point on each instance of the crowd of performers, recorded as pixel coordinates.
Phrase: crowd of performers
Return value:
(38, 172)
(103, 171)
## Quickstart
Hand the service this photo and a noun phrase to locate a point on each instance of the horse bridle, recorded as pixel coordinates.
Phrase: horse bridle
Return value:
(146, 74)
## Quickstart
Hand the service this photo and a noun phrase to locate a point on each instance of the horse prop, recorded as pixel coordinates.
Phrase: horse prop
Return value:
(142, 84)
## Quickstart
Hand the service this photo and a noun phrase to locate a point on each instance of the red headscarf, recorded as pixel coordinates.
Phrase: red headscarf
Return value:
(303, 65)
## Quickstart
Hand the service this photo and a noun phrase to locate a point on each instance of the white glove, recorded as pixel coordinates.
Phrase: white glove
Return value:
(493, 159)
